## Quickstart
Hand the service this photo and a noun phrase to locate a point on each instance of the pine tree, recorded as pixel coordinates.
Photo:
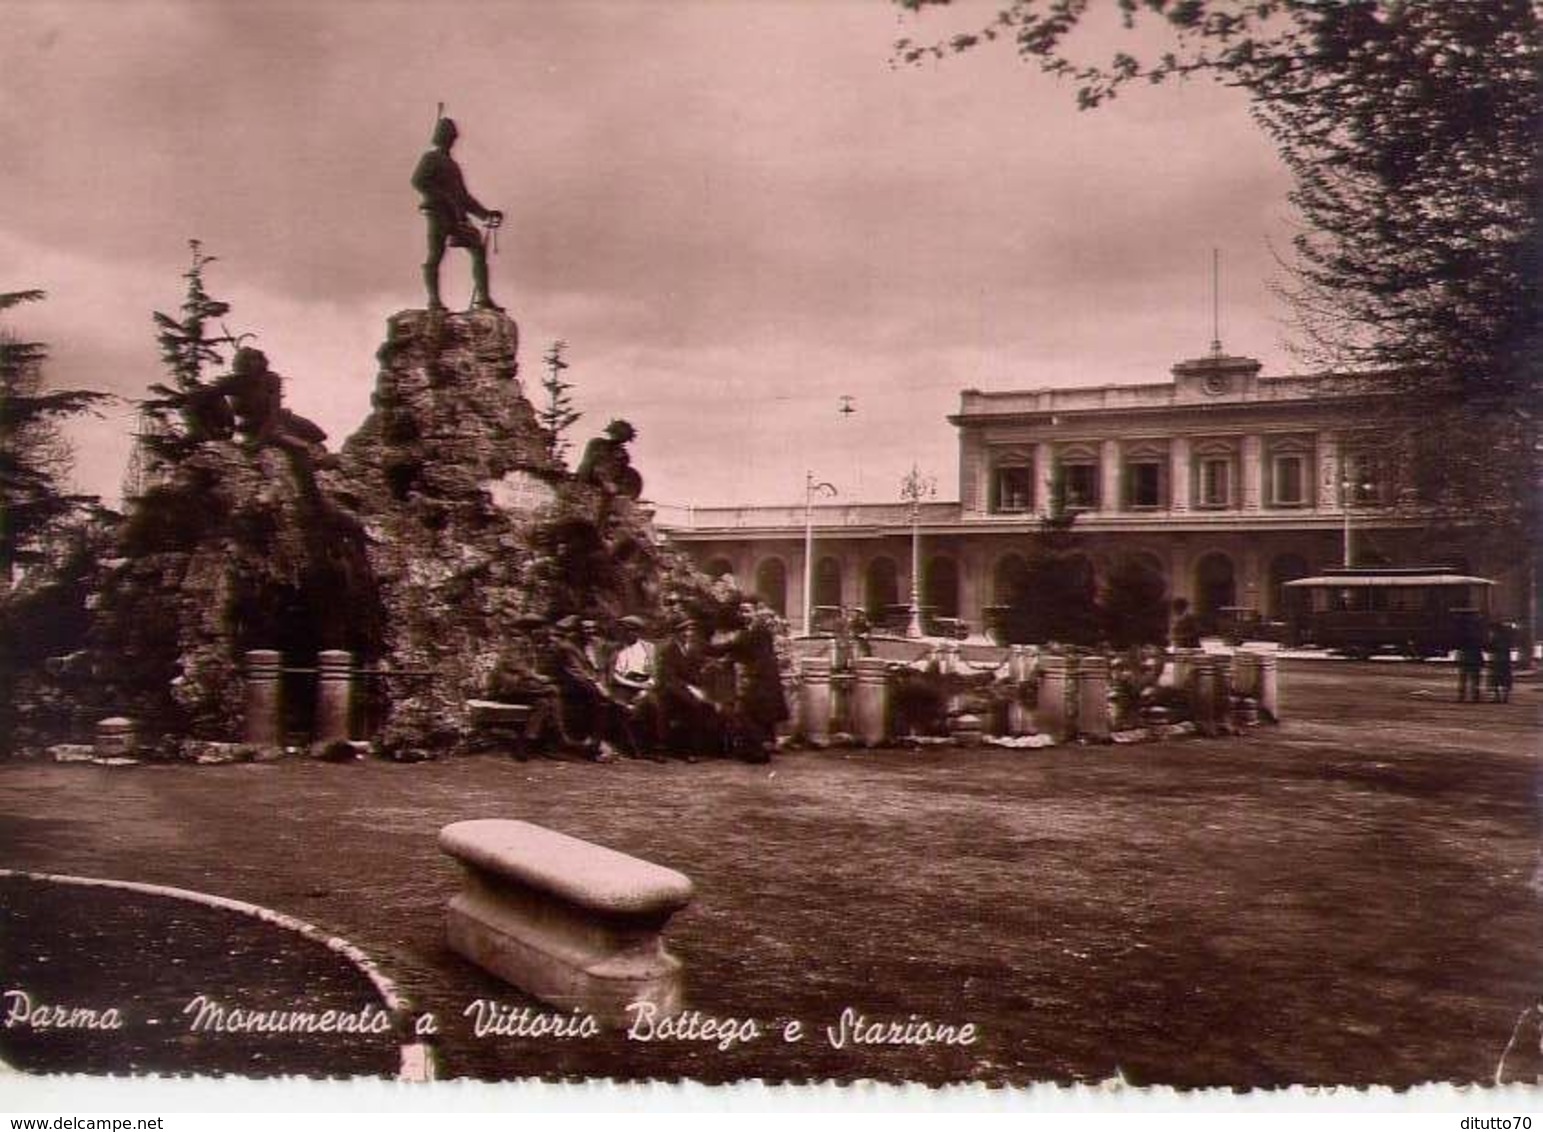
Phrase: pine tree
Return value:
(187, 349)
(34, 461)
(1133, 608)
(1055, 598)
(557, 416)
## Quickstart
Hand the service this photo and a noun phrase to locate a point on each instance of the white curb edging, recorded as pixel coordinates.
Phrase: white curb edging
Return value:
(416, 1059)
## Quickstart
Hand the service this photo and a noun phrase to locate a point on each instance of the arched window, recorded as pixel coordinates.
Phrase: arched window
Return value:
(1153, 563)
(1082, 567)
(1216, 588)
(940, 587)
(882, 587)
(771, 585)
(1284, 568)
(1007, 579)
(827, 582)
(718, 567)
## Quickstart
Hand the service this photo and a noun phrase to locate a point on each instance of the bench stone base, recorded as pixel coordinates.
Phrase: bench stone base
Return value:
(557, 957)
(574, 924)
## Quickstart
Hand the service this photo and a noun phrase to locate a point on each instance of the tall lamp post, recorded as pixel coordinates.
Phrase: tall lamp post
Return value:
(811, 489)
(913, 489)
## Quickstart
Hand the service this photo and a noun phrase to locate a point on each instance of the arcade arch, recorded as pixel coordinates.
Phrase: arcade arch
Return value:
(827, 582)
(1284, 568)
(1216, 586)
(1012, 571)
(771, 584)
(940, 586)
(882, 586)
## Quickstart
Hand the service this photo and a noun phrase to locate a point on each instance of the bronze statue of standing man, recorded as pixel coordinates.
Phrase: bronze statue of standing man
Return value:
(448, 204)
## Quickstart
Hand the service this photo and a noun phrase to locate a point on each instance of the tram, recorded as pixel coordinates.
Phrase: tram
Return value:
(1418, 611)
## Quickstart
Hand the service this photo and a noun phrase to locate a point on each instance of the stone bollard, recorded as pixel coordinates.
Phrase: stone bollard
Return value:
(1020, 721)
(115, 738)
(264, 708)
(1203, 682)
(1092, 684)
(841, 687)
(949, 665)
(791, 695)
(966, 729)
(870, 701)
(1269, 682)
(334, 696)
(1245, 674)
(1222, 677)
(1055, 714)
(814, 700)
(1184, 666)
(1269, 686)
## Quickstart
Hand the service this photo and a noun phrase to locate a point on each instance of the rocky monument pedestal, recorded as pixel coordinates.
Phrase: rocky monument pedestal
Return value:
(450, 468)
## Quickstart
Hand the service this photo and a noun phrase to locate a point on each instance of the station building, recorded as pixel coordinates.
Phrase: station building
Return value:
(1228, 482)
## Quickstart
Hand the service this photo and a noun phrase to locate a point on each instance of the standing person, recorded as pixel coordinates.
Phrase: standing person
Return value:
(447, 204)
(759, 702)
(1470, 654)
(1502, 639)
(1186, 627)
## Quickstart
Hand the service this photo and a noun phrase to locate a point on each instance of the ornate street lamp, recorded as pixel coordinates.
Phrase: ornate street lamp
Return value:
(1348, 487)
(811, 489)
(913, 489)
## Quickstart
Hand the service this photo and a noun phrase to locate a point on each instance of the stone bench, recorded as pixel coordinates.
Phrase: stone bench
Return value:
(572, 923)
(502, 722)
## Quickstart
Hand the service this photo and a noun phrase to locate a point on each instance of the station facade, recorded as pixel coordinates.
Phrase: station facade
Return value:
(1227, 482)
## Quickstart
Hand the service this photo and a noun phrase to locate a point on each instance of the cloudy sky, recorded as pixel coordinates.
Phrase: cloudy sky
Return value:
(734, 212)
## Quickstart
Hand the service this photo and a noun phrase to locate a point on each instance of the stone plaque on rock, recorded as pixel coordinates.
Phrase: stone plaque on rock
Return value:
(521, 492)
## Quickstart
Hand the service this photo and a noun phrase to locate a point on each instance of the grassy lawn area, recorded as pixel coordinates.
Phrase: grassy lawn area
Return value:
(1342, 899)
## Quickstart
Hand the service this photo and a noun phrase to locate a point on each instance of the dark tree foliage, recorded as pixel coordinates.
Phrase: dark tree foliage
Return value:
(1055, 598)
(1133, 608)
(558, 415)
(33, 502)
(176, 411)
(1414, 131)
(47, 553)
(44, 622)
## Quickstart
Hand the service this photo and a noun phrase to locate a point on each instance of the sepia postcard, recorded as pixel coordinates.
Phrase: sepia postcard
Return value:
(769, 544)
